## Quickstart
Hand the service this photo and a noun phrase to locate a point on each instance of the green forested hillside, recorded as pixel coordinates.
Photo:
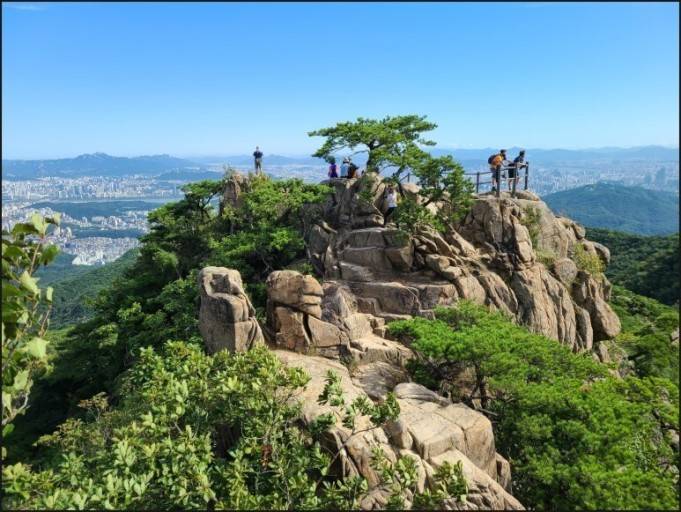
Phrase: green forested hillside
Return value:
(647, 265)
(612, 206)
(73, 294)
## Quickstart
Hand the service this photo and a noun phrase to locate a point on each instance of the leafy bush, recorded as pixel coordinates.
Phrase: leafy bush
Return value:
(156, 298)
(531, 218)
(547, 258)
(208, 432)
(24, 315)
(576, 437)
(647, 326)
(587, 261)
(411, 217)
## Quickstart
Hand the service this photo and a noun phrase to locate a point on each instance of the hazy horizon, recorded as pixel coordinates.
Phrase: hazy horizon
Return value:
(188, 156)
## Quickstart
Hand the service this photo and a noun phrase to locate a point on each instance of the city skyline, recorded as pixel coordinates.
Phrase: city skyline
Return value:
(207, 79)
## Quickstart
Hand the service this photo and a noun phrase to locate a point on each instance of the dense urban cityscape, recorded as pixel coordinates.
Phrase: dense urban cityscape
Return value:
(122, 203)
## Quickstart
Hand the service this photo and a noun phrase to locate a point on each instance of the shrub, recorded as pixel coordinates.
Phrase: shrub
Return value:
(577, 437)
(25, 313)
(588, 261)
(207, 432)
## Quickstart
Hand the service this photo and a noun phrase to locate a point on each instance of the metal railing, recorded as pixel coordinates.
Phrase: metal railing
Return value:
(505, 169)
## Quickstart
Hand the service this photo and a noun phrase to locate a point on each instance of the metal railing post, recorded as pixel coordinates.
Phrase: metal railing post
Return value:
(498, 183)
(477, 182)
(515, 180)
(527, 173)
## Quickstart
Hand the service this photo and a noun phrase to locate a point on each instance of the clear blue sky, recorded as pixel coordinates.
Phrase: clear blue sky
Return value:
(197, 79)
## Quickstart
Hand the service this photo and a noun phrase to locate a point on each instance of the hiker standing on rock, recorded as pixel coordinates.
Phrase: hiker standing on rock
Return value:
(391, 200)
(345, 167)
(257, 154)
(496, 162)
(518, 163)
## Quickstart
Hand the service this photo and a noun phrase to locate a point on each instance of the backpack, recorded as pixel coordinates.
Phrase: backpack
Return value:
(489, 160)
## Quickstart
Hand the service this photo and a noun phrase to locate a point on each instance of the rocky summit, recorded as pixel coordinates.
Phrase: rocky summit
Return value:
(509, 253)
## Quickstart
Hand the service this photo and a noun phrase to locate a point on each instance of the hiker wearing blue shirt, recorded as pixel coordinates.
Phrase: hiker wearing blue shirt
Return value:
(345, 166)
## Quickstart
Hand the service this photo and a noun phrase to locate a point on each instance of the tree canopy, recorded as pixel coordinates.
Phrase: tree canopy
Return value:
(576, 437)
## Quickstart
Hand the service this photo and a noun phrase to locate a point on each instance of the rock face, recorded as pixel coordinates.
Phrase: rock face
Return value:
(491, 258)
(226, 316)
(511, 254)
(430, 429)
(294, 315)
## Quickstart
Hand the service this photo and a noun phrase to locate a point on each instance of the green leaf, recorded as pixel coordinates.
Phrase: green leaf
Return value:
(49, 253)
(39, 223)
(48, 294)
(36, 347)
(6, 400)
(29, 283)
(20, 381)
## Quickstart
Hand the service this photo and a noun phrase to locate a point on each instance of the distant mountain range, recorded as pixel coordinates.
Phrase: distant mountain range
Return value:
(96, 164)
(101, 164)
(612, 206)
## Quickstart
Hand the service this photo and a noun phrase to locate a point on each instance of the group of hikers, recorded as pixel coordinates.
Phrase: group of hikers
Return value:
(498, 163)
(348, 169)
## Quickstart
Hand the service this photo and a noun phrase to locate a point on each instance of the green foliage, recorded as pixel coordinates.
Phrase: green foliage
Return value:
(411, 217)
(156, 298)
(74, 295)
(547, 258)
(647, 265)
(647, 326)
(531, 218)
(587, 261)
(201, 431)
(381, 139)
(442, 181)
(24, 313)
(613, 206)
(394, 143)
(577, 437)
(401, 477)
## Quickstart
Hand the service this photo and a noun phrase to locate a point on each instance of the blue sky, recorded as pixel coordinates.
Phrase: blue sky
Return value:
(217, 79)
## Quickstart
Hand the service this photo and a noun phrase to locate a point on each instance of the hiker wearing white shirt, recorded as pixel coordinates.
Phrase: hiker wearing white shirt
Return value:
(391, 200)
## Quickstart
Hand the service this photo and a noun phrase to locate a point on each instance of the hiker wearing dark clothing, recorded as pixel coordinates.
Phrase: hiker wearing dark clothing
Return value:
(257, 155)
(352, 170)
(333, 172)
(518, 163)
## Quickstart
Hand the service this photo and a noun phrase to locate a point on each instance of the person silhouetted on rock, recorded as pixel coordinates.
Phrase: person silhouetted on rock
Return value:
(257, 155)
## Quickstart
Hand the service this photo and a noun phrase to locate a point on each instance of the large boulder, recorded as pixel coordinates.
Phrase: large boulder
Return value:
(226, 316)
(294, 315)
(295, 290)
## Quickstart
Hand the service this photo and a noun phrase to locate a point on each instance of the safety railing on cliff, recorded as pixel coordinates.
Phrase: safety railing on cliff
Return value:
(504, 171)
(503, 177)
